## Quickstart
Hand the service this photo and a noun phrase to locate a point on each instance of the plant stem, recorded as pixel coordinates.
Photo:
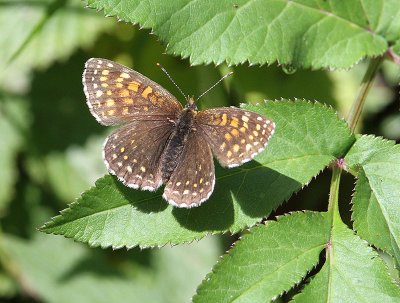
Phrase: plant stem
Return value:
(366, 84)
(333, 206)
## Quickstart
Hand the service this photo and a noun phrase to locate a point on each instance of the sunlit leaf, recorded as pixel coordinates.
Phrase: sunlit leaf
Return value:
(308, 137)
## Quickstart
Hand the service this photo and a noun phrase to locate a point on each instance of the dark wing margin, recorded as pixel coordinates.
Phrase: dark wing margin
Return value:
(193, 180)
(132, 153)
(116, 94)
(235, 135)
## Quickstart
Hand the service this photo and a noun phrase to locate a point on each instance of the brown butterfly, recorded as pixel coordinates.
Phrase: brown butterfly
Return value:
(160, 142)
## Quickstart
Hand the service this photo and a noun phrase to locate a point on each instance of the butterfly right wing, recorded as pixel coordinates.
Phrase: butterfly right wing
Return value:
(235, 135)
(116, 94)
(133, 152)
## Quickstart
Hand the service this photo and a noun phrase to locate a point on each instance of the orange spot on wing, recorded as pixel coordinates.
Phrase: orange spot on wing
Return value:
(235, 132)
(110, 102)
(234, 122)
(148, 90)
(224, 120)
(123, 93)
(133, 85)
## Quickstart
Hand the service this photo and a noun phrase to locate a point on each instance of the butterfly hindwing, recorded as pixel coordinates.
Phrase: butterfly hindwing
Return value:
(235, 135)
(133, 153)
(116, 94)
(193, 179)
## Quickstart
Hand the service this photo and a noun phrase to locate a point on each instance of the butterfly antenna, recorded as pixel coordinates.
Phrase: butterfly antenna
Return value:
(226, 76)
(172, 80)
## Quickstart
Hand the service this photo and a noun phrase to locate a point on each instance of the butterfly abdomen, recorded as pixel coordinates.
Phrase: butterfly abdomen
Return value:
(176, 143)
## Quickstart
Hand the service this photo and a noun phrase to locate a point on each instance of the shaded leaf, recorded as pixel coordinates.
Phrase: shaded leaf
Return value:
(61, 271)
(296, 33)
(269, 260)
(308, 137)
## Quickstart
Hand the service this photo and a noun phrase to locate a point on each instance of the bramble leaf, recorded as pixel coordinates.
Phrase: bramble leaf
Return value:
(308, 137)
(376, 201)
(352, 272)
(301, 33)
(269, 260)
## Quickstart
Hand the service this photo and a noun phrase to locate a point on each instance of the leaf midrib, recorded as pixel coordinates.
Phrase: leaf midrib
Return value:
(254, 285)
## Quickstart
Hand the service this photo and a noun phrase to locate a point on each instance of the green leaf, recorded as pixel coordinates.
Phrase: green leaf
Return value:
(302, 33)
(396, 48)
(308, 137)
(269, 260)
(364, 148)
(371, 219)
(62, 271)
(58, 35)
(376, 212)
(353, 272)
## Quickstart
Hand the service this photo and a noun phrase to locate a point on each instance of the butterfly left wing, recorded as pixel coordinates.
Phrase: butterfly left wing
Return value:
(193, 179)
(133, 152)
(117, 94)
(235, 135)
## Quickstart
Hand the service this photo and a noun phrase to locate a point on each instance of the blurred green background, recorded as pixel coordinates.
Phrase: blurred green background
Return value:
(50, 149)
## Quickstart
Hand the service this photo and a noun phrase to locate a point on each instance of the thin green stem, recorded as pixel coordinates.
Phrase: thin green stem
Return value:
(366, 84)
(333, 216)
(333, 206)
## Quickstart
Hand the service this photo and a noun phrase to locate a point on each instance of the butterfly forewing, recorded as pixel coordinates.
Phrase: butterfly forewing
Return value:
(133, 152)
(116, 94)
(235, 135)
(193, 180)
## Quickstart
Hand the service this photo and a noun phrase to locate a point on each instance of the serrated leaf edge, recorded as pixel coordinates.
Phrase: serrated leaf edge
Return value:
(228, 253)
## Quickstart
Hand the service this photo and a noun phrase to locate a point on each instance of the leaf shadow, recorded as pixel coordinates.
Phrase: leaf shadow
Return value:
(263, 190)
(255, 189)
(144, 201)
(240, 194)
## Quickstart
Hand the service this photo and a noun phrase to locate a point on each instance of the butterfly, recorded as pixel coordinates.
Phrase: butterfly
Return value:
(161, 142)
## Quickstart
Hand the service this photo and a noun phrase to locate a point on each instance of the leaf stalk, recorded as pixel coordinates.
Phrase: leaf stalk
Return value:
(368, 80)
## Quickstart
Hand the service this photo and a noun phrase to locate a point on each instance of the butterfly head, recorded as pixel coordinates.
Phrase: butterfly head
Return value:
(191, 103)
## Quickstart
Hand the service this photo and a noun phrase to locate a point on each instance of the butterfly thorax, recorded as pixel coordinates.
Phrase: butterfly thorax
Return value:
(176, 143)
